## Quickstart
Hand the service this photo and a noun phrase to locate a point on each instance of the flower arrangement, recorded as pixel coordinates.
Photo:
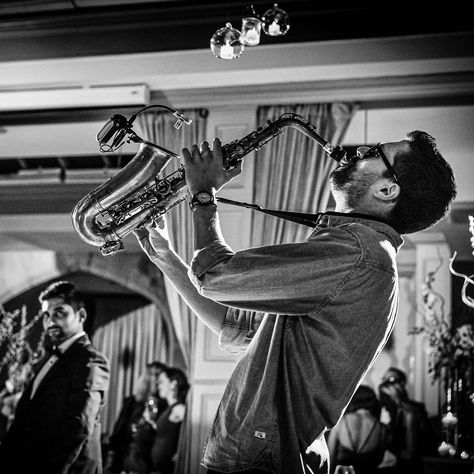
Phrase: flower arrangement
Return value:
(451, 361)
(17, 354)
(450, 348)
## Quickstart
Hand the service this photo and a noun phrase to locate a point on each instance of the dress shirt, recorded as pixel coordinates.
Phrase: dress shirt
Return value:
(311, 317)
(62, 348)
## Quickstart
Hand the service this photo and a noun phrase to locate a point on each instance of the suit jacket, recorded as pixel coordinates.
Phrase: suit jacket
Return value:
(58, 430)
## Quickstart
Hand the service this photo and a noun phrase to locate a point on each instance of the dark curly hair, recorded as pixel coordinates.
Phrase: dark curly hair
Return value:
(365, 397)
(427, 185)
(182, 384)
(64, 290)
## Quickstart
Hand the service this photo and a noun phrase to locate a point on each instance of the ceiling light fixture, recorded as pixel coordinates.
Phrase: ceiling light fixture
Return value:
(251, 28)
(229, 43)
(275, 21)
(226, 43)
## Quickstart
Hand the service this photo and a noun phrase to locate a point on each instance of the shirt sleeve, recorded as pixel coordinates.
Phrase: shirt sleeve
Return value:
(287, 279)
(238, 329)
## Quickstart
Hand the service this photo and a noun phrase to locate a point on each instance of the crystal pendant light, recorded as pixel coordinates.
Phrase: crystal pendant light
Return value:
(275, 21)
(226, 43)
(251, 27)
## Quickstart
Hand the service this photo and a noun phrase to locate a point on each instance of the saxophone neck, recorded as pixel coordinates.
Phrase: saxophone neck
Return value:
(236, 150)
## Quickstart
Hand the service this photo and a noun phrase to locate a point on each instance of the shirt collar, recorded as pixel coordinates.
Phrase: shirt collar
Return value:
(333, 219)
(65, 345)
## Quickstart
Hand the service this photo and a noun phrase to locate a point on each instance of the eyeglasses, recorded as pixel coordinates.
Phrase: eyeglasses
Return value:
(373, 152)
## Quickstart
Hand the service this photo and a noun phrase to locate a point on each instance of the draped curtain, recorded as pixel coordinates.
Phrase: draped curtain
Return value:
(159, 128)
(129, 343)
(292, 172)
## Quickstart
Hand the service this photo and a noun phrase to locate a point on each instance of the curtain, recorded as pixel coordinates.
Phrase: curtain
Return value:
(292, 172)
(129, 343)
(159, 128)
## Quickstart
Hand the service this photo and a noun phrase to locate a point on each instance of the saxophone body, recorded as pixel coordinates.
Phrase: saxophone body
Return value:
(136, 194)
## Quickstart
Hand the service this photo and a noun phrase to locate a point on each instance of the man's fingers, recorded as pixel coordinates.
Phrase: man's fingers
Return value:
(186, 154)
(195, 152)
(216, 144)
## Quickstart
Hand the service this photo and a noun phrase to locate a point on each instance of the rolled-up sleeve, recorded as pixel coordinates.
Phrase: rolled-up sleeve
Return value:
(277, 279)
(238, 329)
(206, 259)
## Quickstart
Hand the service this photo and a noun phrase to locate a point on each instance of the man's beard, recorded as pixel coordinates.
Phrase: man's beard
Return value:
(341, 176)
(349, 187)
(54, 337)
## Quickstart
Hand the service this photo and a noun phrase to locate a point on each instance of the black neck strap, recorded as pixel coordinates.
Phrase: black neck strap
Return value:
(309, 220)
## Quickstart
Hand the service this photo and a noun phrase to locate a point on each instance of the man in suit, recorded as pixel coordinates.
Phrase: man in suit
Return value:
(57, 426)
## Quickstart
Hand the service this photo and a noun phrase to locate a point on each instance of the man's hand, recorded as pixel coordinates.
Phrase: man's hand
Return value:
(204, 168)
(153, 238)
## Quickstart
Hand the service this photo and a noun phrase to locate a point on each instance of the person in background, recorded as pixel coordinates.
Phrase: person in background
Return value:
(173, 386)
(359, 439)
(311, 317)
(154, 441)
(411, 433)
(57, 428)
(144, 400)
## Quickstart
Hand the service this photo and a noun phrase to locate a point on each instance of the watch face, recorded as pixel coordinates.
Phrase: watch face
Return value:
(204, 197)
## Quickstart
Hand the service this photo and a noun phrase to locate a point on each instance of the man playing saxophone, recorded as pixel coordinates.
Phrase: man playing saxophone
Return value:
(310, 317)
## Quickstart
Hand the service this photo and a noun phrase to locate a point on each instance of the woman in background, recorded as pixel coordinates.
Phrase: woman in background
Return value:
(411, 433)
(130, 426)
(359, 439)
(172, 386)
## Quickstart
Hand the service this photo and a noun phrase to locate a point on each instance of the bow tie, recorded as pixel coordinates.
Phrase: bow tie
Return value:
(54, 350)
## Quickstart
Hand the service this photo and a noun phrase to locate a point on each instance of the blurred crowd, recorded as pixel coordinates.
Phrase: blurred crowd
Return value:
(384, 432)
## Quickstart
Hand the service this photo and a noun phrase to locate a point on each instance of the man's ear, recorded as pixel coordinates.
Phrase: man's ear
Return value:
(82, 314)
(387, 191)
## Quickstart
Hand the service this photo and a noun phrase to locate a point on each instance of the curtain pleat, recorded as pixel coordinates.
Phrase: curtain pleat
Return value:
(159, 128)
(292, 171)
(129, 343)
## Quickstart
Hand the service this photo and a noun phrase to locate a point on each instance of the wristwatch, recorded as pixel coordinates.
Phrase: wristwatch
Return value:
(202, 198)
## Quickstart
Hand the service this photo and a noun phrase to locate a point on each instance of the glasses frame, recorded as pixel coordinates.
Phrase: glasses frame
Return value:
(377, 152)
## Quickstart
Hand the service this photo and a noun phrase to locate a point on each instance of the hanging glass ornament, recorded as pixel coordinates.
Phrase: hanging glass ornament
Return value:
(251, 28)
(226, 43)
(275, 21)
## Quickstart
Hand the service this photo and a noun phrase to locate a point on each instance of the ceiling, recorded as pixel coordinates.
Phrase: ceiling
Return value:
(35, 30)
(40, 29)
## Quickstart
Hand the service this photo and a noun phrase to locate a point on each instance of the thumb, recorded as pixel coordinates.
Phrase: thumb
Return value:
(236, 170)
(143, 238)
(141, 233)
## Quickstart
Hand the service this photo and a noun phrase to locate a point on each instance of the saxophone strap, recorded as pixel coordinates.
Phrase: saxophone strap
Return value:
(309, 220)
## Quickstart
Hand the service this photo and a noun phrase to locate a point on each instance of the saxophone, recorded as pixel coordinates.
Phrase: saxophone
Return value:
(136, 194)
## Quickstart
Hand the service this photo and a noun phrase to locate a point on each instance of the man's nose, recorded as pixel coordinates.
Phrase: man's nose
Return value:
(361, 151)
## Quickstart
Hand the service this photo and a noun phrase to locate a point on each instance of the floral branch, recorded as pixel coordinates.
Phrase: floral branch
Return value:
(467, 280)
(17, 352)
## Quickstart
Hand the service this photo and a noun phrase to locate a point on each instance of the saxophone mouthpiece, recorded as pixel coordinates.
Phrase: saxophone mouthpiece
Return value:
(335, 152)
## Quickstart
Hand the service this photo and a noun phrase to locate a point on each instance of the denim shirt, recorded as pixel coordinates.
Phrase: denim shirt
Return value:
(310, 319)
